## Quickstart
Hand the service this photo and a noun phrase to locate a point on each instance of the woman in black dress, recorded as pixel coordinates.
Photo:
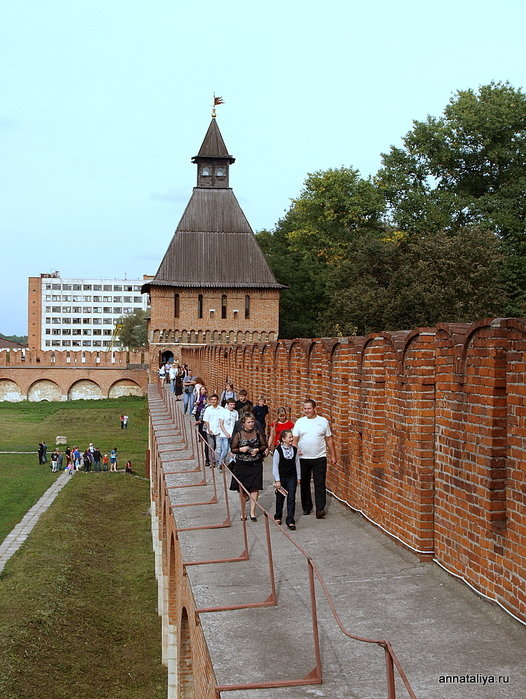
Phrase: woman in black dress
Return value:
(249, 446)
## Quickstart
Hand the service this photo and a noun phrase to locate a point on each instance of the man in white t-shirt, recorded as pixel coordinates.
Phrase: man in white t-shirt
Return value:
(227, 422)
(312, 435)
(211, 416)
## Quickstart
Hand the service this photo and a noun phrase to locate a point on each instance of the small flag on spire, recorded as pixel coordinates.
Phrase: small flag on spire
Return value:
(218, 100)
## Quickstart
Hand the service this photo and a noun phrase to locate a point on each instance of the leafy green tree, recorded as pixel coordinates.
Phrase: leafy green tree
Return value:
(334, 208)
(132, 330)
(467, 168)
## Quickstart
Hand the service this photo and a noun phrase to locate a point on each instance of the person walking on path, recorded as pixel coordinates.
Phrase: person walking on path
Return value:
(286, 471)
(313, 436)
(122, 422)
(211, 417)
(188, 388)
(227, 423)
(54, 461)
(42, 452)
(113, 459)
(125, 419)
(276, 428)
(249, 445)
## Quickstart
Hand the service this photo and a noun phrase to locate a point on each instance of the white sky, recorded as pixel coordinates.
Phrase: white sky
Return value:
(103, 104)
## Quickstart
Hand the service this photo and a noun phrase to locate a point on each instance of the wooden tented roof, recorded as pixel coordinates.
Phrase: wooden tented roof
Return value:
(214, 246)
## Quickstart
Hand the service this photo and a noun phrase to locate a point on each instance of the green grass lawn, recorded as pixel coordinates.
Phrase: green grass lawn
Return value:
(78, 601)
(24, 425)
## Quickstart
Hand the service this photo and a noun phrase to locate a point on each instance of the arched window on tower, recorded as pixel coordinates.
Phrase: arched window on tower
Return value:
(176, 306)
(200, 306)
(205, 172)
(247, 306)
(223, 306)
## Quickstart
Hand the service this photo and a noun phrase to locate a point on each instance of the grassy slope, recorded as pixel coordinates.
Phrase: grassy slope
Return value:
(24, 425)
(78, 601)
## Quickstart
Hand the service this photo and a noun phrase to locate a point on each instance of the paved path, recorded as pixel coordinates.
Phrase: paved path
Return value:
(19, 534)
(449, 640)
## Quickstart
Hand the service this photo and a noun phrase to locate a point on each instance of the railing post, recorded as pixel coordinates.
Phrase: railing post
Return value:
(389, 669)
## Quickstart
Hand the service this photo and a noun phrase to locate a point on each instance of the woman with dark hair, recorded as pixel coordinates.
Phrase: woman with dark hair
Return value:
(248, 446)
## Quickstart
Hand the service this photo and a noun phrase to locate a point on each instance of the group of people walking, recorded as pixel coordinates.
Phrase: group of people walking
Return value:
(75, 459)
(235, 432)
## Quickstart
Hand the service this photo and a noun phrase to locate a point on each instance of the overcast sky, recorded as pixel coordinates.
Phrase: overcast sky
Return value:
(104, 104)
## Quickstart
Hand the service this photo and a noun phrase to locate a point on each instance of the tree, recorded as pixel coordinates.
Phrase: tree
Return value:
(132, 330)
(467, 168)
(315, 236)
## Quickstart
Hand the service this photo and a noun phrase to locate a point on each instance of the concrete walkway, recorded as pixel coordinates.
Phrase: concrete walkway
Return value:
(452, 643)
(19, 534)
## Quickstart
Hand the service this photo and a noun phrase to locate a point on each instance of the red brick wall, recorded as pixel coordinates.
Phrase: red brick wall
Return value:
(430, 427)
(23, 369)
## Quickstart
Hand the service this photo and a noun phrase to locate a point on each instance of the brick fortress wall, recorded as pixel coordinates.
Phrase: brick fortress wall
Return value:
(37, 375)
(430, 427)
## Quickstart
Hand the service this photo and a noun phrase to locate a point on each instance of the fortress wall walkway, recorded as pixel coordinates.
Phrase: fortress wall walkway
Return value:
(211, 567)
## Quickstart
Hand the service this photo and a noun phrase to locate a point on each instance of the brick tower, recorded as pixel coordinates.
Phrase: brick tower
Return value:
(213, 284)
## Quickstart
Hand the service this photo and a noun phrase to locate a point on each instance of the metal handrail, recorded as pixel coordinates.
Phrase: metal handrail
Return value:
(315, 676)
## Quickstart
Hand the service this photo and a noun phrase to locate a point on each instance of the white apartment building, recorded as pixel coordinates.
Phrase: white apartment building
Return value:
(80, 314)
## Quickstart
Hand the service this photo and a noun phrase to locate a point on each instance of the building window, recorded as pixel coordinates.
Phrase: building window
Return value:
(55, 343)
(97, 321)
(97, 287)
(107, 287)
(48, 309)
(67, 321)
(56, 331)
(55, 286)
(55, 309)
(76, 343)
(96, 309)
(200, 306)
(55, 321)
(87, 298)
(97, 332)
(107, 321)
(86, 343)
(128, 288)
(66, 343)
(117, 288)
(117, 299)
(76, 297)
(247, 306)
(176, 306)
(66, 297)
(97, 343)
(86, 321)
(66, 309)
(137, 299)
(66, 287)
(117, 309)
(66, 331)
(87, 287)
(223, 306)
(86, 332)
(77, 287)
(48, 343)
(48, 331)
(127, 299)
(87, 309)
(56, 297)
(76, 331)
(220, 172)
(205, 172)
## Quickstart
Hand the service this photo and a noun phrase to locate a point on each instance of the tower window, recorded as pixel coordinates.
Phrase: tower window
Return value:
(247, 306)
(176, 306)
(220, 172)
(200, 306)
(205, 172)
(223, 306)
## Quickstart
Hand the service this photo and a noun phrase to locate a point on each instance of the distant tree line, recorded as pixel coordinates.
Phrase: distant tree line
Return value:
(21, 339)
(437, 235)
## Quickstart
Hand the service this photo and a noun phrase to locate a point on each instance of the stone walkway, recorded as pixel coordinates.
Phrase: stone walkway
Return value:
(19, 534)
